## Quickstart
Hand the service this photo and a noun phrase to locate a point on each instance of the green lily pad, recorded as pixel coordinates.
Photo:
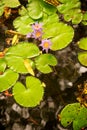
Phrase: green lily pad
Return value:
(84, 20)
(2, 64)
(35, 10)
(8, 79)
(25, 50)
(32, 14)
(83, 43)
(70, 9)
(23, 24)
(11, 3)
(60, 34)
(74, 113)
(44, 61)
(16, 56)
(1, 7)
(17, 64)
(82, 57)
(29, 95)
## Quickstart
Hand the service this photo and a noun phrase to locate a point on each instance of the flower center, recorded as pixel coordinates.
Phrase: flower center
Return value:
(46, 45)
(38, 34)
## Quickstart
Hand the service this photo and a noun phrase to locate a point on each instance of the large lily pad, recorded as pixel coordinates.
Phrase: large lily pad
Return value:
(44, 61)
(16, 56)
(25, 50)
(74, 113)
(60, 34)
(7, 79)
(29, 95)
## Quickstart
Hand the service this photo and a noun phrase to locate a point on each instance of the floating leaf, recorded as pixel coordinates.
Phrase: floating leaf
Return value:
(7, 79)
(74, 113)
(16, 56)
(82, 57)
(29, 95)
(83, 43)
(44, 61)
(2, 64)
(23, 24)
(1, 7)
(27, 64)
(60, 34)
(84, 20)
(35, 10)
(11, 3)
(16, 63)
(70, 9)
(28, 17)
(23, 49)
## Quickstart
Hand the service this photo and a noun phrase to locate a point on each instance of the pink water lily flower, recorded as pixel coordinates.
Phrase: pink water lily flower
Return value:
(46, 45)
(37, 34)
(37, 26)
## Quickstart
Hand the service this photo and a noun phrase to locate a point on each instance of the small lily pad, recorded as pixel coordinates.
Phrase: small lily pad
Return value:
(82, 57)
(8, 79)
(29, 95)
(74, 113)
(83, 43)
(44, 61)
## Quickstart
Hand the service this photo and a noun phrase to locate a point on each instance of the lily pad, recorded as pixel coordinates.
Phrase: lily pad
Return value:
(16, 56)
(74, 113)
(84, 20)
(2, 64)
(44, 61)
(11, 3)
(17, 64)
(8, 79)
(35, 10)
(83, 43)
(29, 95)
(60, 34)
(32, 14)
(1, 7)
(70, 9)
(82, 57)
(23, 49)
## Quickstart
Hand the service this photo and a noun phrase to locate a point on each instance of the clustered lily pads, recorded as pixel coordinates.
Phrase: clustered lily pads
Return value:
(40, 22)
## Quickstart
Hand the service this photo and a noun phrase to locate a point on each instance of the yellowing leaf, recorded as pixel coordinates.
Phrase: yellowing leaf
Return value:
(15, 39)
(28, 67)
